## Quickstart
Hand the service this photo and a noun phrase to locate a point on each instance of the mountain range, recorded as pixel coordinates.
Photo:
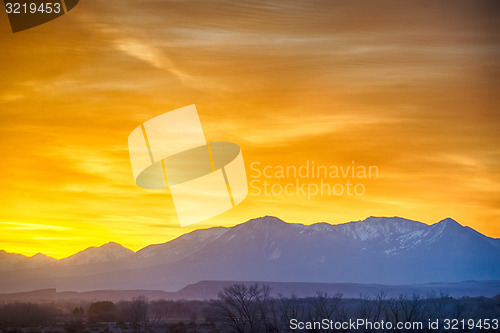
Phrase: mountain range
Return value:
(377, 250)
(204, 290)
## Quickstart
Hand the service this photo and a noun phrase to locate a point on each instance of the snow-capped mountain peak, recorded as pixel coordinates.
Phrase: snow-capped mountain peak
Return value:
(375, 227)
(108, 252)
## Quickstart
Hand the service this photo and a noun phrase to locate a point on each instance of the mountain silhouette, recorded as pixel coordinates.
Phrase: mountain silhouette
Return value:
(381, 250)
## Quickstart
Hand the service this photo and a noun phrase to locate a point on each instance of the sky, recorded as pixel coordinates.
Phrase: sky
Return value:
(410, 88)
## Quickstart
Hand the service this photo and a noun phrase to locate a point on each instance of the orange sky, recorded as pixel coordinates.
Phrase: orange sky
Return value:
(410, 87)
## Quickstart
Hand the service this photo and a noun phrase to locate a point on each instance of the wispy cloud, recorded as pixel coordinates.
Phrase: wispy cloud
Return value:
(151, 55)
(30, 226)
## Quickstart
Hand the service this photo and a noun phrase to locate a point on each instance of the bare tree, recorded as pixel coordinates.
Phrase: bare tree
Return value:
(380, 305)
(246, 308)
(289, 308)
(407, 309)
(367, 308)
(324, 306)
(158, 312)
(136, 313)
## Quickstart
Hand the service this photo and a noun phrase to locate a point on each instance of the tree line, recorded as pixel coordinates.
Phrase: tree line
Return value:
(248, 308)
